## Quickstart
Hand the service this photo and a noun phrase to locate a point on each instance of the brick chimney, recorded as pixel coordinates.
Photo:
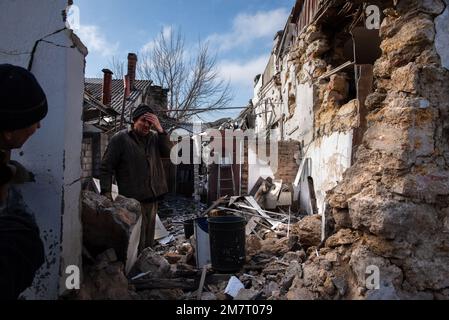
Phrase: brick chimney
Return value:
(107, 87)
(132, 65)
(126, 86)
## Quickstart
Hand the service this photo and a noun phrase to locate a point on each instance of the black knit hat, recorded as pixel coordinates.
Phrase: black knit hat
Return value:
(22, 100)
(141, 110)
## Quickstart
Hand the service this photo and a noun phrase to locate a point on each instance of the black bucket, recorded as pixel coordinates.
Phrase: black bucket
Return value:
(227, 243)
(188, 228)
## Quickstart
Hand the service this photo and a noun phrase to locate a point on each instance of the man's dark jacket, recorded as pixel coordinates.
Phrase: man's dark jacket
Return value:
(21, 254)
(136, 163)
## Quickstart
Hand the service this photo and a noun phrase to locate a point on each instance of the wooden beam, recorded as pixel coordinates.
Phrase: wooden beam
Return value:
(201, 286)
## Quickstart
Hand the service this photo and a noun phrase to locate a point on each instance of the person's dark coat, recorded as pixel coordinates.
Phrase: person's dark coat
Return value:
(21, 248)
(136, 163)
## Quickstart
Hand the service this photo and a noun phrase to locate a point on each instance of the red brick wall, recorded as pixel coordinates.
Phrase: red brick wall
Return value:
(287, 164)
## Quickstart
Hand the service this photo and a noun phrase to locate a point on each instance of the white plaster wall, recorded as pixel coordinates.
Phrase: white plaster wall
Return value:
(73, 133)
(257, 89)
(53, 153)
(330, 157)
(269, 93)
(303, 115)
(442, 36)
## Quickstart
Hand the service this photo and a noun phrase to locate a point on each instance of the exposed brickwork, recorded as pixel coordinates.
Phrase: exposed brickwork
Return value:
(287, 164)
(86, 158)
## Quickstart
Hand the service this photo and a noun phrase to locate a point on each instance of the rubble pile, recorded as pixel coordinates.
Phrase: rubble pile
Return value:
(104, 279)
(272, 265)
(276, 247)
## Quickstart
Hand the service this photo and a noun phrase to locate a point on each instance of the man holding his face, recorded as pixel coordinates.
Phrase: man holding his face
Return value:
(134, 157)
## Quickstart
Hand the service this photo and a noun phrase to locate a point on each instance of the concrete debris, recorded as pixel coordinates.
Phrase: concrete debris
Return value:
(247, 295)
(173, 258)
(308, 230)
(208, 296)
(293, 271)
(152, 263)
(106, 280)
(299, 293)
(109, 225)
(342, 237)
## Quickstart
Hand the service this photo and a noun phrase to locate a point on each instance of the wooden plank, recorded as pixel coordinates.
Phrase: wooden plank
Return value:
(201, 286)
(256, 206)
(251, 225)
(214, 205)
(256, 187)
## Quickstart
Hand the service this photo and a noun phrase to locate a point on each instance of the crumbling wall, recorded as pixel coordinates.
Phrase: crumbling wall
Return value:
(53, 153)
(391, 211)
(321, 113)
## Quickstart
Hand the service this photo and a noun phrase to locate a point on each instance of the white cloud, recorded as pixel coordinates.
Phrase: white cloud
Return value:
(166, 31)
(247, 28)
(242, 73)
(95, 41)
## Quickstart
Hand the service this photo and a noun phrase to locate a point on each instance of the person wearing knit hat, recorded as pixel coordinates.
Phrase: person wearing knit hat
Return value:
(142, 110)
(23, 104)
(134, 157)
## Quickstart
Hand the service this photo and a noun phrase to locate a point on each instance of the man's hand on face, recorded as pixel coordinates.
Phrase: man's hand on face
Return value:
(154, 120)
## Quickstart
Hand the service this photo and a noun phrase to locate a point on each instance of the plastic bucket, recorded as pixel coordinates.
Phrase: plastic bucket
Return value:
(202, 242)
(227, 243)
(188, 228)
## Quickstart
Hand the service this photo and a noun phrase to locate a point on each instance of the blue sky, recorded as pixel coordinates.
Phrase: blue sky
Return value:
(240, 32)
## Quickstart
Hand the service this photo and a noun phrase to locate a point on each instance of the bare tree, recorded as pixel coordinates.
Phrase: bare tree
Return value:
(193, 80)
(118, 67)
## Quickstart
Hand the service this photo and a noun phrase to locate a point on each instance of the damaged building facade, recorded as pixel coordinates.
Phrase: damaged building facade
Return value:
(368, 103)
(309, 92)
